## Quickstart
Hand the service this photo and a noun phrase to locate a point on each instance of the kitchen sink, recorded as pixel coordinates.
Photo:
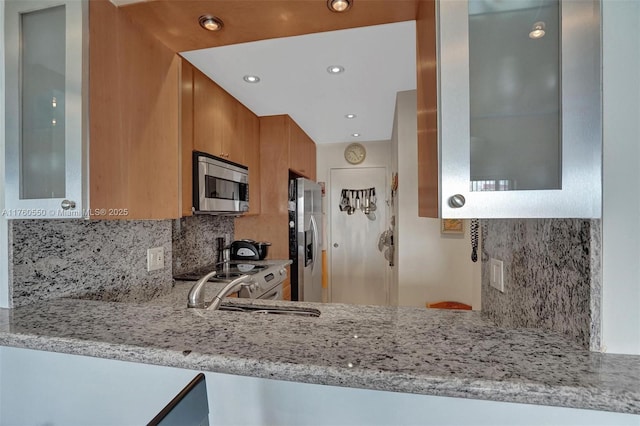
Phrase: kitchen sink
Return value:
(277, 310)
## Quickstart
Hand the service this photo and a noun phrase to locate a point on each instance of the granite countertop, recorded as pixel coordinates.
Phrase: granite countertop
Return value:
(402, 349)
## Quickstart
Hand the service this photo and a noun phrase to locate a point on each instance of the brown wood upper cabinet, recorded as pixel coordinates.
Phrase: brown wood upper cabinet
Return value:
(215, 122)
(250, 140)
(134, 118)
(302, 151)
(427, 82)
(216, 119)
(282, 145)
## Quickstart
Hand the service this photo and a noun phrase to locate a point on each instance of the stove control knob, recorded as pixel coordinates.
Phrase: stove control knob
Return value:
(283, 272)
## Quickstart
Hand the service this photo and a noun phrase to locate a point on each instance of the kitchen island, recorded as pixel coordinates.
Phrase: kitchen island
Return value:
(399, 349)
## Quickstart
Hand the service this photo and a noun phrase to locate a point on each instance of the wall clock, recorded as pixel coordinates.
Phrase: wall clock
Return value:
(355, 153)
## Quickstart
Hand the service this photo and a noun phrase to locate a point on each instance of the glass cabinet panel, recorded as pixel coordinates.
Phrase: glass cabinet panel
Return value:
(46, 108)
(42, 130)
(514, 95)
(519, 108)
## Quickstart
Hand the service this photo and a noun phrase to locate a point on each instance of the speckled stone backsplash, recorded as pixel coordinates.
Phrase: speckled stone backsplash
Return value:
(194, 240)
(98, 259)
(551, 275)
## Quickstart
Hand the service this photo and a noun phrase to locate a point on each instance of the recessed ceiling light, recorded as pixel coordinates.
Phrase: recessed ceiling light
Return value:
(211, 23)
(355, 135)
(339, 5)
(350, 116)
(251, 78)
(538, 30)
(335, 69)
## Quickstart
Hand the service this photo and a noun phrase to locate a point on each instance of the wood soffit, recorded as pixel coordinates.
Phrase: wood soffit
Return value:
(175, 22)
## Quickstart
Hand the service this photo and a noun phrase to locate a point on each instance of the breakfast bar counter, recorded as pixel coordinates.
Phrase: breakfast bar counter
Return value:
(400, 349)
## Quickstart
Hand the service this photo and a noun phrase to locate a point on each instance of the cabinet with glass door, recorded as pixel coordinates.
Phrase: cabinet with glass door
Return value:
(46, 108)
(519, 109)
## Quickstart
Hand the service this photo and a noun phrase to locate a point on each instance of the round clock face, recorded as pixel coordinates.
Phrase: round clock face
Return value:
(355, 153)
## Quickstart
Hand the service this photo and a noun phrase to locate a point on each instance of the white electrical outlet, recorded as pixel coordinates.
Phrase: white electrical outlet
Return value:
(496, 274)
(155, 258)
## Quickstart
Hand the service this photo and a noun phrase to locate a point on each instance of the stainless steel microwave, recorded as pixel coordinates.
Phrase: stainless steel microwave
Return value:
(219, 186)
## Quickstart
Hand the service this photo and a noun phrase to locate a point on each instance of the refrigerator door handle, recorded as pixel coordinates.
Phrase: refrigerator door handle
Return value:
(314, 227)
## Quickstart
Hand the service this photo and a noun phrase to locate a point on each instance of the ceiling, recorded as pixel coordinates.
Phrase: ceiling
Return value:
(175, 22)
(379, 61)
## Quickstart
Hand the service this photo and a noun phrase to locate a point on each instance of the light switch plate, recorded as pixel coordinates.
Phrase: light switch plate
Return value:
(155, 258)
(496, 274)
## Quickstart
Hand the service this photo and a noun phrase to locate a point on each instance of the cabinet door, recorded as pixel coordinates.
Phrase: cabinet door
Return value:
(207, 109)
(520, 129)
(46, 108)
(310, 156)
(216, 123)
(296, 148)
(233, 133)
(299, 150)
(250, 131)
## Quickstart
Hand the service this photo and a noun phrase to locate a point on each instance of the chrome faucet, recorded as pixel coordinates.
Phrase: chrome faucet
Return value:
(196, 295)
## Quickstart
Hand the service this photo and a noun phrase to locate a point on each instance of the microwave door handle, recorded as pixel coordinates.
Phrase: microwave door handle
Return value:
(314, 228)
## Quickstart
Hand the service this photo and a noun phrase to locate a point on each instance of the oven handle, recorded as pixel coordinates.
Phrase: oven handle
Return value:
(275, 293)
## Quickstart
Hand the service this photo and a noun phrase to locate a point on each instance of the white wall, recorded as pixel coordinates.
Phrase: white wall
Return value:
(330, 156)
(56, 389)
(46, 388)
(621, 181)
(432, 266)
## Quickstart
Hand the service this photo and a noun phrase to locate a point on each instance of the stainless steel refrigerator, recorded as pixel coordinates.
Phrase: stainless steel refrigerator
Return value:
(305, 239)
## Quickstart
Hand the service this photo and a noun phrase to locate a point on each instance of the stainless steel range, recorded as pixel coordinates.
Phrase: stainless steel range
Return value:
(254, 280)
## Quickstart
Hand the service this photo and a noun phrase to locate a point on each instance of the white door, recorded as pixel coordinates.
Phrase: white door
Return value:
(358, 273)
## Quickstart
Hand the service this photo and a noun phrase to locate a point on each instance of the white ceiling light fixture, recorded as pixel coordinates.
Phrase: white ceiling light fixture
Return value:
(538, 30)
(335, 69)
(355, 135)
(350, 116)
(210, 23)
(251, 78)
(339, 5)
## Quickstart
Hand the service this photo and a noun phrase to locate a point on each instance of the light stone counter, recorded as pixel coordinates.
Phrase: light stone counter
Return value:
(433, 352)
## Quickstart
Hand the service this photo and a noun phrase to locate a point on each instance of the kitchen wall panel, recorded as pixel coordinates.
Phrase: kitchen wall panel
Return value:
(194, 240)
(552, 275)
(104, 260)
